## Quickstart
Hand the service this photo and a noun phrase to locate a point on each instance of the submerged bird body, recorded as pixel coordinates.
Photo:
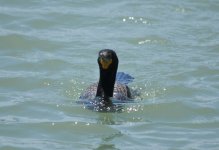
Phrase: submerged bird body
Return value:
(120, 92)
(111, 84)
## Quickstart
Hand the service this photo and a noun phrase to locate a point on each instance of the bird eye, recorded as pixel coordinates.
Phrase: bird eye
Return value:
(108, 55)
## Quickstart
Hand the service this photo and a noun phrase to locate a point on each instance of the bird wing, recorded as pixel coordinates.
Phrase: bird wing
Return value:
(123, 78)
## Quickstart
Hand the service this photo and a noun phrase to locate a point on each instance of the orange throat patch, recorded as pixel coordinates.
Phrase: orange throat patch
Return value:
(105, 63)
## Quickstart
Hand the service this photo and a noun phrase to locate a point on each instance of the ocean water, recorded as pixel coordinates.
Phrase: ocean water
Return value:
(48, 52)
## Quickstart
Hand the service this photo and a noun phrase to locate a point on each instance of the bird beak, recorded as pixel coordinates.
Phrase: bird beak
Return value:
(105, 62)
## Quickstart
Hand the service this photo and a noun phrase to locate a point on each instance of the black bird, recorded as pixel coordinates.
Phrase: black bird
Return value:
(111, 84)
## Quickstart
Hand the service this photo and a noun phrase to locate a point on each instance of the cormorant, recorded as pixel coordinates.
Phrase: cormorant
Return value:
(111, 85)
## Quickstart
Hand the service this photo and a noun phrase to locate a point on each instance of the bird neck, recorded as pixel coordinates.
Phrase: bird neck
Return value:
(106, 83)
